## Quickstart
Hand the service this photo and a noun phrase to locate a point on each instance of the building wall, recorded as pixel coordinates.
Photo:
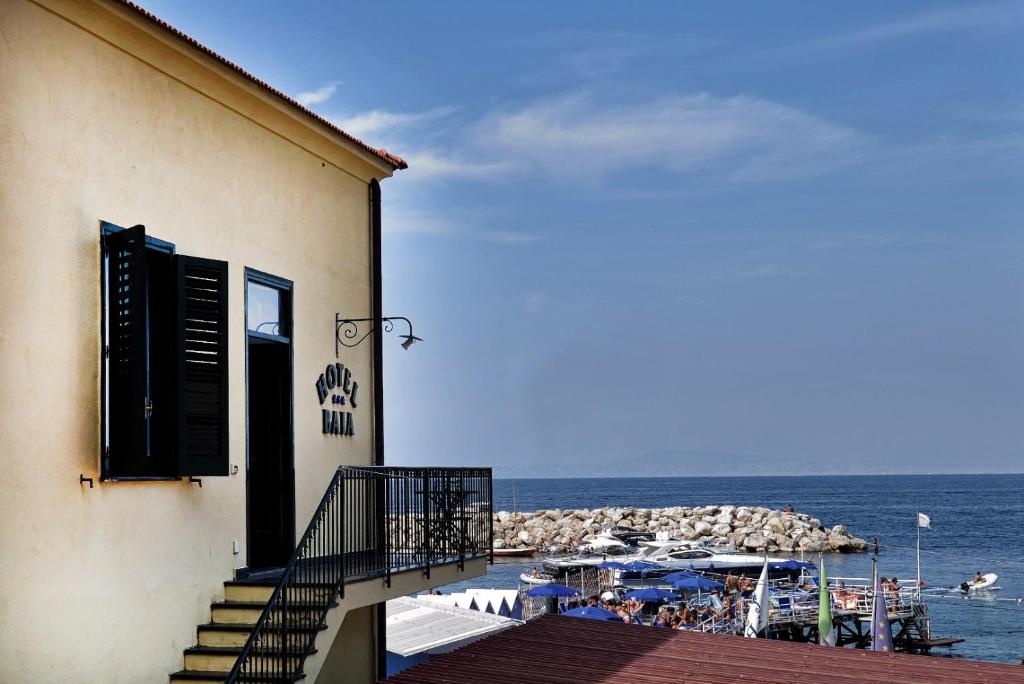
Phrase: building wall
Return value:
(352, 657)
(104, 119)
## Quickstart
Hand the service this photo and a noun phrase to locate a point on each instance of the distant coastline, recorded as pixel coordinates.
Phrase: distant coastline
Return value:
(507, 477)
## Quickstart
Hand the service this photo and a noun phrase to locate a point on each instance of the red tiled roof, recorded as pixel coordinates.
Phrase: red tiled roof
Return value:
(564, 650)
(395, 161)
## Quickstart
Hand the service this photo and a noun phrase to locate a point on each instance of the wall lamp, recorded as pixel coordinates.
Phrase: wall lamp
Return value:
(347, 333)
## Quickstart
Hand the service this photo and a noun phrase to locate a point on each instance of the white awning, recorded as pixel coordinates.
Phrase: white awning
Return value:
(418, 625)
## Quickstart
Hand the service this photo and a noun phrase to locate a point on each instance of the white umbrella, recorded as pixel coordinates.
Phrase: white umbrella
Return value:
(757, 615)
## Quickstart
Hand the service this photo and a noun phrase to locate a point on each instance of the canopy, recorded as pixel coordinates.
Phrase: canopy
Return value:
(553, 589)
(676, 576)
(651, 595)
(791, 565)
(697, 584)
(642, 566)
(612, 565)
(593, 613)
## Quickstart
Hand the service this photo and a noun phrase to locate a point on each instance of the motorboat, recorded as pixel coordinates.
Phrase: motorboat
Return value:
(674, 556)
(986, 583)
(524, 552)
(527, 578)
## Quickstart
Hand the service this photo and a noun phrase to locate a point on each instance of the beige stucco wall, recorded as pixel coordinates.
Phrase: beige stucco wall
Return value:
(346, 650)
(102, 118)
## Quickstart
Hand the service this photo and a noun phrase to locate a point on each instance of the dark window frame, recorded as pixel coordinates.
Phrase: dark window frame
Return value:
(287, 308)
(197, 422)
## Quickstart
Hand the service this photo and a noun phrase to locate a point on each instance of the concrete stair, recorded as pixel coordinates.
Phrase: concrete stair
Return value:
(220, 641)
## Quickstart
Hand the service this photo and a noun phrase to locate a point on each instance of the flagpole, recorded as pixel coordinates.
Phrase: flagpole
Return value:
(918, 522)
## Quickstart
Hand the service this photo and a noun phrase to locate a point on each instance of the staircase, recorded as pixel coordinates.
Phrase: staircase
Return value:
(220, 641)
(371, 522)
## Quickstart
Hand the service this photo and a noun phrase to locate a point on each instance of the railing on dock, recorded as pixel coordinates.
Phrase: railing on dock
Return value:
(372, 522)
(855, 598)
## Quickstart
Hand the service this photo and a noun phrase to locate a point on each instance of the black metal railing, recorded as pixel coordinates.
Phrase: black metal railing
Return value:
(373, 521)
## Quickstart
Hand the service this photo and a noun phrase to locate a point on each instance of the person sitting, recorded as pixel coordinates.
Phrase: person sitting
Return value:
(727, 611)
(534, 573)
(704, 613)
(978, 578)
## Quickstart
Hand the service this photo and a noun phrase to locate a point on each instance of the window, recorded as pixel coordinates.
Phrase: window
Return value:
(263, 313)
(165, 359)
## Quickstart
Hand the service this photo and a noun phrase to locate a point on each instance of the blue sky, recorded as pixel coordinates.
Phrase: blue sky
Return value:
(683, 238)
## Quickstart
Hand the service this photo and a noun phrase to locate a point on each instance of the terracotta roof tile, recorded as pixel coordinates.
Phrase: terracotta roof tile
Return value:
(563, 650)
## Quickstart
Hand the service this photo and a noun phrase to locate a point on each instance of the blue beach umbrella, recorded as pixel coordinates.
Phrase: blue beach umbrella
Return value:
(593, 613)
(650, 595)
(681, 575)
(612, 565)
(642, 566)
(697, 583)
(791, 565)
(552, 590)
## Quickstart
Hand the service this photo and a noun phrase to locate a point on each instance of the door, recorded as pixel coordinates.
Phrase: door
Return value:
(270, 465)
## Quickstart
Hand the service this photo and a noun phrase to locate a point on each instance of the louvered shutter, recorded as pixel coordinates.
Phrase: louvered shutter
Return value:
(202, 349)
(128, 443)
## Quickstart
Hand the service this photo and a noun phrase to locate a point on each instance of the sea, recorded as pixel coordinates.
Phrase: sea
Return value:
(977, 523)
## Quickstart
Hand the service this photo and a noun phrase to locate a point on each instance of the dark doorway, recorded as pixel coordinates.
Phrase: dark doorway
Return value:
(270, 475)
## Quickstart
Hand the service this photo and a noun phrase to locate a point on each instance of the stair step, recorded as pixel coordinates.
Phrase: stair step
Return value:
(248, 612)
(207, 676)
(236, 634)
(222, 658)
(247, 590)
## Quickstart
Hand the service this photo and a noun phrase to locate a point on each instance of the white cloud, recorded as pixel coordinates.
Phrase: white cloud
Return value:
(402, 219)
(741, 137)
(1001, 16)
(318, 96)
(429, 164)
(379, 121)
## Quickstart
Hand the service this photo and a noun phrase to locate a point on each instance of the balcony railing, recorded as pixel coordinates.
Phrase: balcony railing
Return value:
(372, 522)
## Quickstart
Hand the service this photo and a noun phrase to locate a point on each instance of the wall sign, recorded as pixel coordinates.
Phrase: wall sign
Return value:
(336, 384)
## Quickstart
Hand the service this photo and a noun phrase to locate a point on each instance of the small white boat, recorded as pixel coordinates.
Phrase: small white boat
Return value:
(987, 581)
(527, 578)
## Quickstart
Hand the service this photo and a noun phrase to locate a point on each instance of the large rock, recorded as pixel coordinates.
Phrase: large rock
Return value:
(688, 533)
(721, 529)
(746, 527)
(755, 542)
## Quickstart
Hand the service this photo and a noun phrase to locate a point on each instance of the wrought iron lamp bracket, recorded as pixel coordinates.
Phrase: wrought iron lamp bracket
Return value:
(348, 334)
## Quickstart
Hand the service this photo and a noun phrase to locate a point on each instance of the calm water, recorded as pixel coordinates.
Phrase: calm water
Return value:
(977, 524)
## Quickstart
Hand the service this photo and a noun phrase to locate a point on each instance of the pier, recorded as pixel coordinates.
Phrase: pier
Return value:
(792, 611)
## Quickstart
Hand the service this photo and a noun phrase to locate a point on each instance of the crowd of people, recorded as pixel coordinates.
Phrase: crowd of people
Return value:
(726, 604)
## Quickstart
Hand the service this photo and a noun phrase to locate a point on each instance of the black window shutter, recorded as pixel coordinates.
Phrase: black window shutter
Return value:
(128, 443)
(202, 302)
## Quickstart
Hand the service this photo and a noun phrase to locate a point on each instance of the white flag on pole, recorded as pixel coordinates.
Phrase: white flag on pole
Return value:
(924, 521)
(757, 614)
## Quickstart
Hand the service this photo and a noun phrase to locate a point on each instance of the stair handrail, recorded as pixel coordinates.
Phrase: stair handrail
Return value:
(387, 491)
(286, 575)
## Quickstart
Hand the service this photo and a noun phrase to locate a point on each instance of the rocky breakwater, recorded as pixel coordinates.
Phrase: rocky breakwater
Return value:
(747, 528)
